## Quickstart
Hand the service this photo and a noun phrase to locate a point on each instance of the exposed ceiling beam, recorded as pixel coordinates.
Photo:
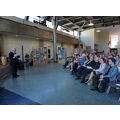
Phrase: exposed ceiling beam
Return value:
(82, 21)
(67, 28)
(71, 22)
(74, 27)
(67, 24)
(97, 25)
(59, 20)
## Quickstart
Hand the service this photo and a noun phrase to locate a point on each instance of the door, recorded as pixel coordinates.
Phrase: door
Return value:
(49, 53)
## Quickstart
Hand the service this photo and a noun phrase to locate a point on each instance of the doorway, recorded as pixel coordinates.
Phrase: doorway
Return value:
(49, 53)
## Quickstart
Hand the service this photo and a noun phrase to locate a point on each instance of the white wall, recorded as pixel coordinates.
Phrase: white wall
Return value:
(91, 37)
(9, 42)
(96, 37)
(103, 41)
(87, 37)
(70, 49)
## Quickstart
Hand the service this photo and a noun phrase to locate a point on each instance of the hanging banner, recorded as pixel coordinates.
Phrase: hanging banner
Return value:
(39, 55)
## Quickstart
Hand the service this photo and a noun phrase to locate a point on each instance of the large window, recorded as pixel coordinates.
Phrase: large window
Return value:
(22, 17)
(49, 24)
(114, 41)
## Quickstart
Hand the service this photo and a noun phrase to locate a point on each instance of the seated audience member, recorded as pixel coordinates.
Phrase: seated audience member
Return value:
(82, 66)
(87, 59)
(118, 65)
(81, 62)
(75, 62)
(66, 63)
(118, 78)
(89, 64)
(117, 59)
(69, 61)
(89, 69)
(27, 57)
(74, 58)
(82, 59)
(109, 75)
(98, 71)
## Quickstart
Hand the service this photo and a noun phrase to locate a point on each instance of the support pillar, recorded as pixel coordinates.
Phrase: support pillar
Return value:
(54, 38)
(79, 39)
(22, 53)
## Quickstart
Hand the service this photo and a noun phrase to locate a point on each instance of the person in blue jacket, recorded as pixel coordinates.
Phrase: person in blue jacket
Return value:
(110, 74)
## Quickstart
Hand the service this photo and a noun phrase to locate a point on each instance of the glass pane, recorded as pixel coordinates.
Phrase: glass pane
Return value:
(114, 41)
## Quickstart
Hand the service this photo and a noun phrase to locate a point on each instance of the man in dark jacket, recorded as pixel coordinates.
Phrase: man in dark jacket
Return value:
(13, 62)
(83, 68)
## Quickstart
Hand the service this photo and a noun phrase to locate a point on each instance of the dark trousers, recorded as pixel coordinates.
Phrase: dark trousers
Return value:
(66, 63)
(96, 80)
(103, 82)
(85, 72)
(75, 65)
(79, 70)
(14, 70)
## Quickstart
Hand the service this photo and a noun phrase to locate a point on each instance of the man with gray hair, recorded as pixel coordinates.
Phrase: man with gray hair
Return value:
(13, 62)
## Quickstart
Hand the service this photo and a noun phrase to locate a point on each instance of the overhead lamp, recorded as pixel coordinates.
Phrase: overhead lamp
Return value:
(90, 24)
(98, 30)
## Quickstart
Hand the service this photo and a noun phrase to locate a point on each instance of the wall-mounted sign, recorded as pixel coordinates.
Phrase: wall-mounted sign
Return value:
(88, 47)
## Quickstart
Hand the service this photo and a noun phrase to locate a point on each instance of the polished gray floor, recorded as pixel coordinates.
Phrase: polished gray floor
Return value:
(52, 85)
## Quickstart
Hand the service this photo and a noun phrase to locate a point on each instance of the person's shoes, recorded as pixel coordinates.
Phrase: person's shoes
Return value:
(101, 91)
(77, 78)
(90, 84)
(14, 76)
(76, 74)
(67, 66)
(17, 75)
(93, 88)
(82, 81)
(87, 81)
(1, 88)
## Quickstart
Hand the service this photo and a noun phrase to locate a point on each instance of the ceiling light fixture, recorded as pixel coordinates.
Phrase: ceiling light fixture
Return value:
(98, 30)
(90, 24)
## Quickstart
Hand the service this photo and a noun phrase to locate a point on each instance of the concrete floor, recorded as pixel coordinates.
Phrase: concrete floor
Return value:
(52, 85)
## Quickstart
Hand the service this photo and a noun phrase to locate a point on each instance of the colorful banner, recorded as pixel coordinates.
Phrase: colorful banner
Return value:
(62, 53)
(39, 55)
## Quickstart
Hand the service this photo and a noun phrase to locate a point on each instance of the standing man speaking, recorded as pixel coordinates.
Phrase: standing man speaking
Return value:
(13, 62)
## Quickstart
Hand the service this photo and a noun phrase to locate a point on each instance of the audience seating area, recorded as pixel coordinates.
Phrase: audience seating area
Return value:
(98, 70)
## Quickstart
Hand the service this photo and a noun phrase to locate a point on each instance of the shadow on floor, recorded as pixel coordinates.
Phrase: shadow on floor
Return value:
(10, 98)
